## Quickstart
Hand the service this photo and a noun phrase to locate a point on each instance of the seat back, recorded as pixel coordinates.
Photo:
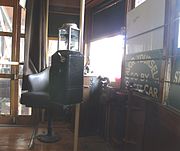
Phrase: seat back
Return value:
(39, 82)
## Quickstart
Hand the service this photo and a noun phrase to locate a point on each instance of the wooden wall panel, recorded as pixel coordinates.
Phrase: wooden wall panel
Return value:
(151, 126)
(117, 118)
(135, 123)
(170, 123)
(162, 131)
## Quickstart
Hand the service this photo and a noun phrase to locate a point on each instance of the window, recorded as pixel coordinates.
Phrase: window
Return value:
(139, 2)
(23, 19)
(172, 83)
(6, 17)
(179, 36)
(22, 40)
(22, 109)
(52, 48)
(5, 54)
(106, 57)
(6, 20)
(4, 96)
(22, 3)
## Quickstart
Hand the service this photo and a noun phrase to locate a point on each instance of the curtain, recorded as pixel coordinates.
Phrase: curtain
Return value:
(35, 37)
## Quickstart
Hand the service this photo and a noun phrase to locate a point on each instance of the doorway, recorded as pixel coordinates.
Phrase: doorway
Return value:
(12, 34)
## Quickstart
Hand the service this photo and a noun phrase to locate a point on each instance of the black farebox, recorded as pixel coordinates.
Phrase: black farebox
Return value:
(66, 77)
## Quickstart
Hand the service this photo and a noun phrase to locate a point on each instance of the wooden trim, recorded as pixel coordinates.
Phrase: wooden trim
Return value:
(14, 77)
(6, 34)
(53, 38)
(7, 3)
(169, 35)
(15, 57)
(7, 76)
(164, 64)
(24, 119)
(93, 3)
(22, 35)
(130, 5)
(64, 10)
(5, 119)
(105, 5)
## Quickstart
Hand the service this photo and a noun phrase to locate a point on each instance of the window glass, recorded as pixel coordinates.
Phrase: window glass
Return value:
(21, 58)
(22, 3)
(106, 57)
(23, 17)
(139, 2)
(52, 48)
(4, 96)
(74, 44)
(6, 18)
(5, 54)
(179, 35)
(173, 83)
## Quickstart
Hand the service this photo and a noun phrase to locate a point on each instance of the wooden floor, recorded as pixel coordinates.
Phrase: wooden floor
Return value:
(15, 138)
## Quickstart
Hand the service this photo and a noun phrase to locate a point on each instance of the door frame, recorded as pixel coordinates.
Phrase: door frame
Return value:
(14, 76)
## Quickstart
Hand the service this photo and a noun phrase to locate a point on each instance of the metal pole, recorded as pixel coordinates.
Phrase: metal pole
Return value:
(81, 24)
(77, 110)
(47, 20)
(76, 127)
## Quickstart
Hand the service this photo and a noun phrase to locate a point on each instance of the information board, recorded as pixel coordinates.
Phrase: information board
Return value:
(143, 71)
(174, 90)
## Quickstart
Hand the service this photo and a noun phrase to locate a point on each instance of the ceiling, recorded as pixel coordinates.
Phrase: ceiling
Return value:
(74, 3)
(71, 7)
(65, 3)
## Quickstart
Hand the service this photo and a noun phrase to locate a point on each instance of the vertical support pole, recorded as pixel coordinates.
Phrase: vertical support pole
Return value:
(76, 126)
(77, 110)
(46, 31)
(81, 24)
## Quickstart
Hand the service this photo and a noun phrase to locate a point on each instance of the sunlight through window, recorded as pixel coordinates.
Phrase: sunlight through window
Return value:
(106, 57)
(139, 2)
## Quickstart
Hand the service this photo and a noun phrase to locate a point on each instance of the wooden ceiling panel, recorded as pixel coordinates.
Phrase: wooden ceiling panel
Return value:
(92, 3)
(65, 3)
(74, 3)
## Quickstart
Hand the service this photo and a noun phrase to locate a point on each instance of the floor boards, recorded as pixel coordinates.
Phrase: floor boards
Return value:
(16, 138)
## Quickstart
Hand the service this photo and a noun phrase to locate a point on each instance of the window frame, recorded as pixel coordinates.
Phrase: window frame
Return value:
(131, 4)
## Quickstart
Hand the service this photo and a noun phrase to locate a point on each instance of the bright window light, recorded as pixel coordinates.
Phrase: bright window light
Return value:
(52, 48)
(139, 2)
(179, 36)
(106, 57)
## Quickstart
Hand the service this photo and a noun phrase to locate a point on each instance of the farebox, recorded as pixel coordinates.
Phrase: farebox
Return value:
(66, 77)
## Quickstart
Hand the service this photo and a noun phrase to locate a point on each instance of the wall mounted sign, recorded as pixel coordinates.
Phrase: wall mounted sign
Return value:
(143, 71)
(174, 90)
